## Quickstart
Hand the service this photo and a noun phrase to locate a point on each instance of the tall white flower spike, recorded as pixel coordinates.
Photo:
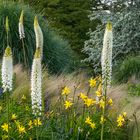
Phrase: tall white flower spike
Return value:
(7, 70)
(36, 90)
(21, 27)
(38, 35)
(106, 57)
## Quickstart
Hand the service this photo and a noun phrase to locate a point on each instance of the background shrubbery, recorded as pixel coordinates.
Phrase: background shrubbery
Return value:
(57, 54)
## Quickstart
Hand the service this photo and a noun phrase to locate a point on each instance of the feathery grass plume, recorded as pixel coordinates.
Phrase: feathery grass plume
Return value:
(7, 70)
(36, 90)
(21, 27)
(106, 57)
(38, 35)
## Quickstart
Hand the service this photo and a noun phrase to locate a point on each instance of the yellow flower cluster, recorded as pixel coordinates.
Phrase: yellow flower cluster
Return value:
(90, 123)
(37, 122)
(87, 101)
(121, 119)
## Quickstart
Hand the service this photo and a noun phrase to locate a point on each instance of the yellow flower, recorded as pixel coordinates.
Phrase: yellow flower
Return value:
(120, 120)
(102, 120)
(89, 102)
(68, 104)
(102, 103)
(14, 117)
(30, 124)
(92, 125)
(92, 82)
(21, 129)
(98, 93)
(83, 96)
(37, 122)
(65, 91)
(110, 101)
(5, 127)
(88, 120)
(124, 114)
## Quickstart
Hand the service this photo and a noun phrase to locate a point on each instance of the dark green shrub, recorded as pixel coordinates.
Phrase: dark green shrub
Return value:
(57, 54)
(128, 68)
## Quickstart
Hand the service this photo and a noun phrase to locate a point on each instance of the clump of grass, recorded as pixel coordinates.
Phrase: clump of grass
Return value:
(128, 68)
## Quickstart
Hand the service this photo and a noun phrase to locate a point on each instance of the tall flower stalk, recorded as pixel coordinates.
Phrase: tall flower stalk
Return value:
(7, 72)
(38, 35)
(36, 76)
(22, 35)
(106, 63)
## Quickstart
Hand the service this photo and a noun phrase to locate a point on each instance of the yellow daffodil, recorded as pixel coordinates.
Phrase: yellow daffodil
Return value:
(37, 122)
(21, 129)
(68, 104)
(5, 127)
(89, 102)
(92, 82)
(110, 101)
(65, 91)
(83, 96)
(14, 117)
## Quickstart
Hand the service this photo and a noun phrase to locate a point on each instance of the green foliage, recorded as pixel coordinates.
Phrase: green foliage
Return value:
(126, 32)
(69, 18)
(134, 89)
(57, 54)
(59, 123)
(128, 68)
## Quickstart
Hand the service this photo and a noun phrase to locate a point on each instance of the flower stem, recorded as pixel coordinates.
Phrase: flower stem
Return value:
(104, 109)
(7, 100)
